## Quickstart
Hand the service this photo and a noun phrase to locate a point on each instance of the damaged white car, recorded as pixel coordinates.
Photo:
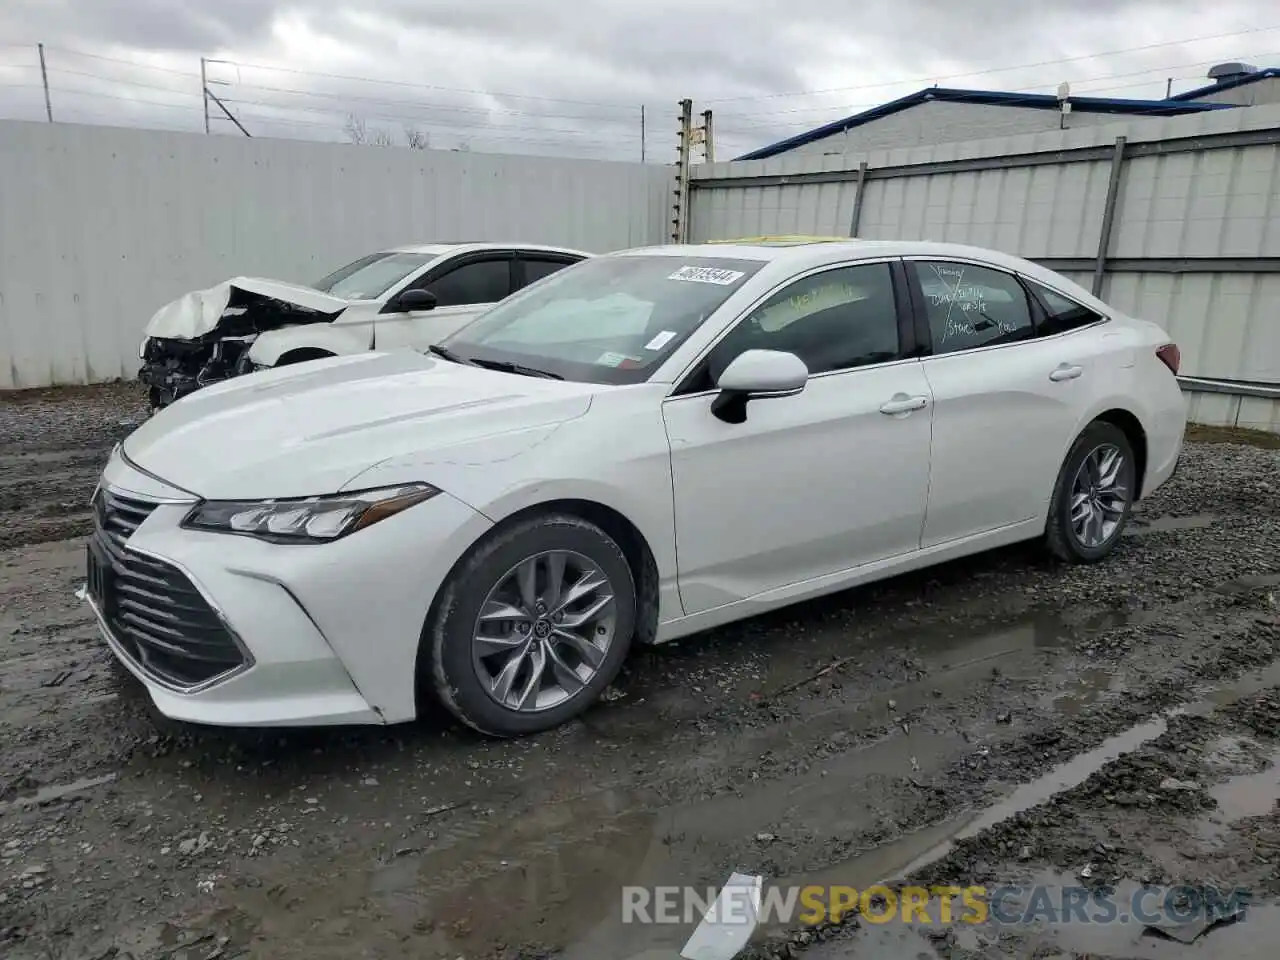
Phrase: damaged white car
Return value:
(408, 297)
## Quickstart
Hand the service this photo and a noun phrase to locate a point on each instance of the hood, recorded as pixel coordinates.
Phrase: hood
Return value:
(195, 314)
(309, 428)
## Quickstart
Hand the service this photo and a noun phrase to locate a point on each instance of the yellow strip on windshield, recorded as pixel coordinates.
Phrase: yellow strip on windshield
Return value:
(783, 239)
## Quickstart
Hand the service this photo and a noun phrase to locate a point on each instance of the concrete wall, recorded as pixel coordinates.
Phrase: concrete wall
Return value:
(99, 227)
(943, 122)
(1172, 212)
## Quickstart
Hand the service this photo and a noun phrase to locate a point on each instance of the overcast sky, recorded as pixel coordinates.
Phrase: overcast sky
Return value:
(524, 76)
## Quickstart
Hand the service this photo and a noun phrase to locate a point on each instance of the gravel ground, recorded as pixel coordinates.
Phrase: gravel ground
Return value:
(122, 834)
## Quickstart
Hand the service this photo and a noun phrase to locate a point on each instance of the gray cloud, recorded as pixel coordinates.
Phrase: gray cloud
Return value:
(570, 77)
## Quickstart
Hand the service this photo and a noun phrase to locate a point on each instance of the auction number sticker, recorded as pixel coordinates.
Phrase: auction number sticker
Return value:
(715, 275)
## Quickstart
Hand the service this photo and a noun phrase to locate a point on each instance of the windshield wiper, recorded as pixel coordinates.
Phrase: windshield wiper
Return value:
(449, 355)
(506, 366)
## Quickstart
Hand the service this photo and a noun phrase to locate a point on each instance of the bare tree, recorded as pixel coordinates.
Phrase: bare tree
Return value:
(356, 130)
(417, 139)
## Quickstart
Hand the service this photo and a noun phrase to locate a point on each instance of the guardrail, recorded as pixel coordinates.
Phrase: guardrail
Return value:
(1235, 388)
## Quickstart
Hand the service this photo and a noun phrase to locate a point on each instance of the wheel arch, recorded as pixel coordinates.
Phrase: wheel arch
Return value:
(272, 346)
(1128, 423)
(635, 547)
(301, 355)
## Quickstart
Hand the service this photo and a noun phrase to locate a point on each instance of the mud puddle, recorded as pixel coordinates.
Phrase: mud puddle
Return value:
(566, 862)
(700, 843)
(569, 860)
(1052, 937)
(1243, 796)
(896, 862)
(1139, 526)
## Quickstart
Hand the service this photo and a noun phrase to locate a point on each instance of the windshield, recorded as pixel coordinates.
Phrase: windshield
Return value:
(372, 276)
(603, 320)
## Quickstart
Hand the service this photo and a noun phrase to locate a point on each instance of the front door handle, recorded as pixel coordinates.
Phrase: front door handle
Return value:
(1066, 371)
(901, 403)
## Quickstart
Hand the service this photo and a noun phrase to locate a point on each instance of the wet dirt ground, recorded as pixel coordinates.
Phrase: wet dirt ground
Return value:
(1003, 720)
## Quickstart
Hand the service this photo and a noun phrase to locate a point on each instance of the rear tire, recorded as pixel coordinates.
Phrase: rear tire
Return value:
(1093, 496)
(531, 626)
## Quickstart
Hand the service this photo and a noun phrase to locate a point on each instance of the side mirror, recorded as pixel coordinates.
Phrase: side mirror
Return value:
(413, 300)
(757, 375)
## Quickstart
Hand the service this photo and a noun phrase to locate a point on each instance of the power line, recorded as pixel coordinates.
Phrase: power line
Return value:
(415, 118)
(63, 91)
(128, 83)
(492, 133)
(335, 96)
(420, 86)
(980, 73)
(264, 118)
(130, 63)
(629, 110)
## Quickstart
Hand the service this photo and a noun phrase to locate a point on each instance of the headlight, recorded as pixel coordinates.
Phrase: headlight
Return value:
(309, 519)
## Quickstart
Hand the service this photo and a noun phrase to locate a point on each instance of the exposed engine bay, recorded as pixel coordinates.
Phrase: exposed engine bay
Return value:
(205, 336)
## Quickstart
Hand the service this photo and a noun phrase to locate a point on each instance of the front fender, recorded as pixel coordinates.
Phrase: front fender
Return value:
(274, 344)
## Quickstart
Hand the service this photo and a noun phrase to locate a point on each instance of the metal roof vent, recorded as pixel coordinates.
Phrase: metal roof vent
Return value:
(1231, 71)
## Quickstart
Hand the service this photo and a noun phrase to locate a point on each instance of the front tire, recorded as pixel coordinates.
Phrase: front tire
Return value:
(531, 627)
(1093, 497)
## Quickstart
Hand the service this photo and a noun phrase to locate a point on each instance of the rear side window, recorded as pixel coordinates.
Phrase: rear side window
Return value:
(535, 270)
(970, 306)
(480, 281)
(1061, 313)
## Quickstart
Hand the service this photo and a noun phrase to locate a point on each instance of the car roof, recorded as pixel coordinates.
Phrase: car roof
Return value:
(802, 253)
(470, 246)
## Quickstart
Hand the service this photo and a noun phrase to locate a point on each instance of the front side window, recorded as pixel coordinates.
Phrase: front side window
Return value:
(1060, 313)
(835, 320)
(372, 276)
(970, 306)
(479, 281)
(605, 319)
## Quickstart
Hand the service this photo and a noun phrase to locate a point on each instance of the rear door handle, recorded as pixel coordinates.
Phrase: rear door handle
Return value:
(1066, 371)
(901, 403)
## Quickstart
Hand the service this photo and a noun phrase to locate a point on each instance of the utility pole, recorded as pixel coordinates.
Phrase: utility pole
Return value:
(44, 79)
(223, 107)
(642, 133)
(204, 90)
(680, 222)
(708, 141)
(1168, 88)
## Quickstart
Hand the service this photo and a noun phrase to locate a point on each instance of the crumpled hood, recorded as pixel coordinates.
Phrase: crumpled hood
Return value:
(309, 428)
(195, 314)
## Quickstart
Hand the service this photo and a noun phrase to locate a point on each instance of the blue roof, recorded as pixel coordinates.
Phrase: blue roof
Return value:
(996, 98)
(1267, 73)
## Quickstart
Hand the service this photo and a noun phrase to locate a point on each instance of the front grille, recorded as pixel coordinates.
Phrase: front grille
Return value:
(153, 611)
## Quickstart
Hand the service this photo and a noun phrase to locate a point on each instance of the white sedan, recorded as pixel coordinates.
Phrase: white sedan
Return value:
(640, 446)
(407, 297)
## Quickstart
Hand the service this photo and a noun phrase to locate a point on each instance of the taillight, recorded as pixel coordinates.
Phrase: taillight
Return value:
(1170, 356)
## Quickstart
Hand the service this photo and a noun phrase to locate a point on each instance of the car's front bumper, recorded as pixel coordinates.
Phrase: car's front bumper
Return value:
(230, 630)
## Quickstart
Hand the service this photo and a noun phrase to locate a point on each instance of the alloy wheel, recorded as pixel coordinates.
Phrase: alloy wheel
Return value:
(543, 631)
(1099, 496)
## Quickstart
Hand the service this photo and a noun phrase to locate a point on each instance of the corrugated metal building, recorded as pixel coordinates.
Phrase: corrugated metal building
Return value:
(945, 115)
(1176, 219)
